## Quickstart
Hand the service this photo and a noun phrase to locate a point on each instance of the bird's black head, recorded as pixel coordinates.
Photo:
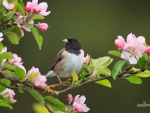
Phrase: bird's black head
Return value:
(72, 45)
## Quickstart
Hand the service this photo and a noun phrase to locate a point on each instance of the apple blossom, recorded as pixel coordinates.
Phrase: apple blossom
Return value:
(132, 49)
(70, 98)
(8, 5)
(8, 93)
(40, 80)
(19, 21)
(148, 50)
(79, 105)
(37, 8)
(43, 26)
(1, 39)
(120, 42)
(84, 58)
(16, 61)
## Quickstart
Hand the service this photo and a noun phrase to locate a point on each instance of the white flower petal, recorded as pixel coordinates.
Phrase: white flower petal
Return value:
(125, 55)
(132, 60)
(140, 40)
(1, 39)
(5, 4)
(1, 34)
(82, 99)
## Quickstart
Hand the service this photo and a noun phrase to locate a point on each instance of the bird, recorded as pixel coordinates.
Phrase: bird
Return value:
(68, 60)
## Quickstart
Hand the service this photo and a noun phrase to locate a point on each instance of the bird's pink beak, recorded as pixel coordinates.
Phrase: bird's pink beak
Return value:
(65, 40)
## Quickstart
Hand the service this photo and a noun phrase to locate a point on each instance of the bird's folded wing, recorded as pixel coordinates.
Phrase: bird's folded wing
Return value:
(57, 59)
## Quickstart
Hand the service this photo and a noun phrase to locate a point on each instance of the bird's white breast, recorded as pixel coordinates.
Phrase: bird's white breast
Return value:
(74, 64)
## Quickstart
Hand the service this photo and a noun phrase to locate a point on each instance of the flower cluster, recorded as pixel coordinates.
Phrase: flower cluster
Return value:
(36, 78)
(22, 18)
(132, 49)
(78, 103)
(8, 93)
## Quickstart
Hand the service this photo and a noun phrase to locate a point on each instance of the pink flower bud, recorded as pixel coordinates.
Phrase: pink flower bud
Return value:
(28, 7)
(148, 50)
(36, 10)
(120, 43)
(43, 26)
(70, 98)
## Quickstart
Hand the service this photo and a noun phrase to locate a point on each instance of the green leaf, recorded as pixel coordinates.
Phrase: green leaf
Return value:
(100, 61)
(104, 83)
(74, 76)
(37, 96)
(6, 82)
(21, 3)
(4, 103)
(77, 82)
(83, 74)
(20, 73)
(115, 53)
(21, 90)
(1, 47)
(104, 71)
(13, 38)
(144, 74)
(55, 101)
(142, 62)
(134, 79)
(6, 55)
(38, 37)
(9, 15)
(37, 16)
(21, 9)
(56, 107)
(117, 67)
(89, 68)
(9, 73)
(32, 76)
(17, 30)
(9, 66)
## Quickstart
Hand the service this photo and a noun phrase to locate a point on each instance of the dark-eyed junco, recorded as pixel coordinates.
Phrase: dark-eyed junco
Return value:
(68, 60)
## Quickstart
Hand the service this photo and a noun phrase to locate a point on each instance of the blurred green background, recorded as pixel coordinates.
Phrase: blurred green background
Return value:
(96, 24)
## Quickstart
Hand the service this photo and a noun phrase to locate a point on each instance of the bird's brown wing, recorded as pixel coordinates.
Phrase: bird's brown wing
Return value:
(57, 59)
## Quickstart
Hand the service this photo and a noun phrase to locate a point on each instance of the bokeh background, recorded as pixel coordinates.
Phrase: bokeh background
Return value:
(96, 24)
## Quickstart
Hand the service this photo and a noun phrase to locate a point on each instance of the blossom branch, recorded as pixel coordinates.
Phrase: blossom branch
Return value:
(10, 87)
(120, 75)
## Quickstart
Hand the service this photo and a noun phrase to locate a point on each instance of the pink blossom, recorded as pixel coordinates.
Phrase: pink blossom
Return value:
(43, 26)
(8, 5)
(19, 21)
(79, 105)
(70, 98)
(37, 8)
(17, 61)
(120, 42)
(84, 58)
(148, 50)
(8, 93)
(1, 39)
(133, 48)
(40, 80)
